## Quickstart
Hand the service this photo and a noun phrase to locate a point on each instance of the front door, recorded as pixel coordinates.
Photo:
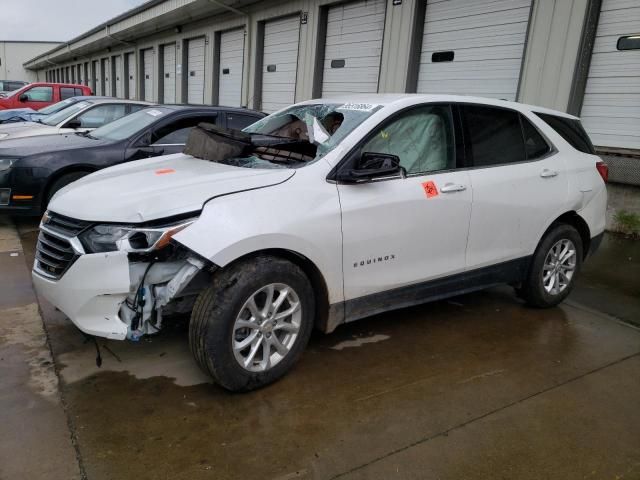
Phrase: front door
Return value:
(404, 231)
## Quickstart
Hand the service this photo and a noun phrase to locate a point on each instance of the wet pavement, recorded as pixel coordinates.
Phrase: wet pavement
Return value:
(478, 386)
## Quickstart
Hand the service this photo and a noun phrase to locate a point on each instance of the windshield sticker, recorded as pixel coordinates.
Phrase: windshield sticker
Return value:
(154, 113)
(164, 171)
(361, 107)
(430, 189)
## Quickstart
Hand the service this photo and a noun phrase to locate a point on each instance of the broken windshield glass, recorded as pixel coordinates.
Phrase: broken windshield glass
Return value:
(292, 138)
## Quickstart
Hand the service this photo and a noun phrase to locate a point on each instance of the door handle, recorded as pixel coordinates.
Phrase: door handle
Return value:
(453, 187)
(546, 173)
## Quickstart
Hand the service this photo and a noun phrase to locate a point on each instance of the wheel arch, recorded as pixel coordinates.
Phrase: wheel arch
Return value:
(313, 273)
(59, 174)
(575, 220)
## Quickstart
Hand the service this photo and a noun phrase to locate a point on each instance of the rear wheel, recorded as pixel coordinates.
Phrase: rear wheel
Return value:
(62, 182)
(554, 267)
(250, 327)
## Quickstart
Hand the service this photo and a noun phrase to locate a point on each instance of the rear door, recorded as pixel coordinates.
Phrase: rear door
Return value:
(407, 231)
(519, 184)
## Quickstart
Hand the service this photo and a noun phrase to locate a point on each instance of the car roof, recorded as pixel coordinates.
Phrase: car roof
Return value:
(216, 108)
(389, 99)
(107, 100)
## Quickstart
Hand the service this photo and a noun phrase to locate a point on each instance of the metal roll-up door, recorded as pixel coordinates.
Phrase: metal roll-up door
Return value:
(611, 104)
(118, 76)
(97, 79)
(106, 76)
(280, 63)
(147, 74)
(473, 48)
(353, 47)
(231, 66)
(130, 69)
(195, 70)
(169, 73)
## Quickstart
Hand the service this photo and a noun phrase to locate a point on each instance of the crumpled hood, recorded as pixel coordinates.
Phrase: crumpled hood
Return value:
(153, 189)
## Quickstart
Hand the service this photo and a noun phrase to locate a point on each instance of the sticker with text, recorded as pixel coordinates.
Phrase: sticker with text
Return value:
(362, 107)
(164, 171)
(430, 189)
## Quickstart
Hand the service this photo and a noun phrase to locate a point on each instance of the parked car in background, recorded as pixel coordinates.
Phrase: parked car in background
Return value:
(33, 169)
(31, 115)
(40, 95)
(80, 116)
(10, 86)
(333, 210)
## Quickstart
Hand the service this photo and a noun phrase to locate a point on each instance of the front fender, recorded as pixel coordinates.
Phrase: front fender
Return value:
(290, 216)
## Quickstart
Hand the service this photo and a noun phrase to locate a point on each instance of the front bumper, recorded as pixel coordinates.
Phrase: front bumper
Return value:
(90, 292)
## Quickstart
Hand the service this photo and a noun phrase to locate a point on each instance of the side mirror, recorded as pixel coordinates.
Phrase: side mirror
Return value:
(372, 166)
(24, 97)
(73, 124)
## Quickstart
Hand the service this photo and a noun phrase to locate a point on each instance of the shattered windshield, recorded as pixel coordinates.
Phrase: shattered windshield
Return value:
(300, 134)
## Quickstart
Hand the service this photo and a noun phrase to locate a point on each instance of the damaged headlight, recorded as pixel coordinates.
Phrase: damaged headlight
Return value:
(110, 238)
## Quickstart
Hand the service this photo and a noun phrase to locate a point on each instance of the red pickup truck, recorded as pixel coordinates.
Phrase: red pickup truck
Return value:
(40, 95)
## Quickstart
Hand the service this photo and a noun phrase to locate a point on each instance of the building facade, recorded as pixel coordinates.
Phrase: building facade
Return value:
(14, 53)
(580, 56)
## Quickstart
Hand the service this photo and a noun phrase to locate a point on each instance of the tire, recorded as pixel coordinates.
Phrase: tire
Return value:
(62, 182)
(222, 312)
(549, 281)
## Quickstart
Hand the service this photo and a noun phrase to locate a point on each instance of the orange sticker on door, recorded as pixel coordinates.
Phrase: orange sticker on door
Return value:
(430, 189)
(164, 171)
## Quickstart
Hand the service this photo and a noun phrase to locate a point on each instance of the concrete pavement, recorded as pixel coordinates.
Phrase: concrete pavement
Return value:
(477, 387)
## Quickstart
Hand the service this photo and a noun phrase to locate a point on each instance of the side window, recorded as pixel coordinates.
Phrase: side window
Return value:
(495, 135)
(101, 115)
(571, 130)
(134, 107)
(177, 132)
(66, 92)
(40, 94)
(423, 139)
(238, 121)
(77, 92)
(534, 143)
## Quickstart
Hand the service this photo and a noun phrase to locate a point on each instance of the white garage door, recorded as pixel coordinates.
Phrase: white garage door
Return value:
(147, 73)
(195, 71)
(231, 66)
(473, 48)
(130, 59)
(169, 73)
(106, 74)
(97, 78)
(611, 106)
(280, 63)
(118, 78)
(353, 47)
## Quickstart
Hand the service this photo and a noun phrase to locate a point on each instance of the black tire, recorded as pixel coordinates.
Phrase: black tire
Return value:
(211, 329)
(533, 290)
(62, 182)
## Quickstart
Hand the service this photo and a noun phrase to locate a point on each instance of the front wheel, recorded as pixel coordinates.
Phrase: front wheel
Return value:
(554, 267)
(251, 326)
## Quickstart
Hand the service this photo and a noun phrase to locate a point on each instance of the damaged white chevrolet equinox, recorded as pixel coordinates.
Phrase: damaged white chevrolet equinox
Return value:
(325, 212)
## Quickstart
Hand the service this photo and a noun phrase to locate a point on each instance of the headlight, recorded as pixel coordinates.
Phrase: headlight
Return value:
(3, 135)
(110, 238)
(5, 163)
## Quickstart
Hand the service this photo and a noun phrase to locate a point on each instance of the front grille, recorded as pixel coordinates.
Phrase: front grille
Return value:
(54, 252)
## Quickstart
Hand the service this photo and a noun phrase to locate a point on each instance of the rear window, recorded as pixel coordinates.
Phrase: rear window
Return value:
(571, 130)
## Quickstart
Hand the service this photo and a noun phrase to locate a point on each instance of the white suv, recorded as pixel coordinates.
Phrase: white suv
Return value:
(328, 211)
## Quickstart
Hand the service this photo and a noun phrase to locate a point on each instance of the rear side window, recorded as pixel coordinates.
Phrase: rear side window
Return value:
(534, 143)
(571, 130)
(495, 135)
(66, 92)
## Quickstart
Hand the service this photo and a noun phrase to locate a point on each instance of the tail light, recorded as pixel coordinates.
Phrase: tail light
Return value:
(603, 170)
